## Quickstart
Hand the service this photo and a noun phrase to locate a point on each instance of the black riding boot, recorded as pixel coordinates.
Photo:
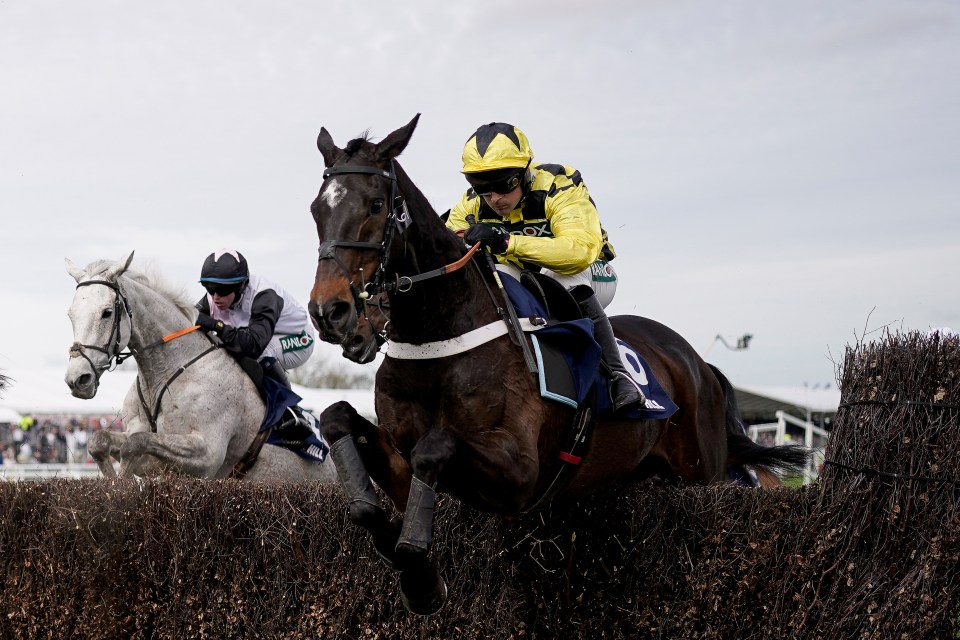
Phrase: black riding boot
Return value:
(292, 415)
(626, 395)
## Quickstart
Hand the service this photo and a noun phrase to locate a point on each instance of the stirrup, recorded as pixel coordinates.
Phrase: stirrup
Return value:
(625, 401)
(293, 416)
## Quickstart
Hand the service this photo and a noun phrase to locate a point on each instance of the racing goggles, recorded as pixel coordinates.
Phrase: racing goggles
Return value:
(222, 290)
(501, 187)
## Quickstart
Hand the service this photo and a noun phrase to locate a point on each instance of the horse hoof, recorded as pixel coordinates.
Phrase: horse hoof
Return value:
(412, 558)
(422, 592)
(409, 553)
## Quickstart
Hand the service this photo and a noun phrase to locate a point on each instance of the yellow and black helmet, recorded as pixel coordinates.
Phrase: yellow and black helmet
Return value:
(496, 146)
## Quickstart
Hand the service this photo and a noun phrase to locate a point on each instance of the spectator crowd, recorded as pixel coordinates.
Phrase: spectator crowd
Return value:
(52, 439)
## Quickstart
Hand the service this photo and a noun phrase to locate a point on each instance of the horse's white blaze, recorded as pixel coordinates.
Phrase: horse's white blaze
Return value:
(334, 193)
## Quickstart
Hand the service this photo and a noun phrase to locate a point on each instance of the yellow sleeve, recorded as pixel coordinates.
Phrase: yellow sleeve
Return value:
(458, 214)
(577, 238)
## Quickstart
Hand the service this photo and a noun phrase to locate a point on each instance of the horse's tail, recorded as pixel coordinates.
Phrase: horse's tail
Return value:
(784, 459)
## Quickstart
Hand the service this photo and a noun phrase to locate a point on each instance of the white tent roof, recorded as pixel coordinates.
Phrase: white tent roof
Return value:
(43, 391)
(9, 416)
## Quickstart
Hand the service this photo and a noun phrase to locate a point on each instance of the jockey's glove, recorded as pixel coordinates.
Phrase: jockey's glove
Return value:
(208, 324)
(494, 238)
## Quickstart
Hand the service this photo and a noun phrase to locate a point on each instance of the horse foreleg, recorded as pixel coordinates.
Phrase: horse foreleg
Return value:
(339, 422)
(428, 458)
(421, 586)
(103, 447)
(185, 454)
(366, 510)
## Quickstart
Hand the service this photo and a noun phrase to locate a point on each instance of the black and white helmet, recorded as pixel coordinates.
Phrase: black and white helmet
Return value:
(225, 266)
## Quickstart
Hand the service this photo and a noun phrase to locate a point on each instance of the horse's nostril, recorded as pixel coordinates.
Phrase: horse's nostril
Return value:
(339, 312)
(84, 380)
(335, 321)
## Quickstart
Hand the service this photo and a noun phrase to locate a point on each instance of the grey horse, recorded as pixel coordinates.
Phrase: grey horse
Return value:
(192, 411)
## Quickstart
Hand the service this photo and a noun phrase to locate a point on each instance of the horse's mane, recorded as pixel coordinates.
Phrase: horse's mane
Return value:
(411, 192)
(152, 280)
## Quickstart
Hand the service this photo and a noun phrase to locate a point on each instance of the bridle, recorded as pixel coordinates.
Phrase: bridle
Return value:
(112, 350)
(380, 337)
(398, 215)
(398, 210)
(115, 355)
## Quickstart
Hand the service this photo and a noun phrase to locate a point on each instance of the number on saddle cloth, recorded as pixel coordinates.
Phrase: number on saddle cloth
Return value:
(658, 405)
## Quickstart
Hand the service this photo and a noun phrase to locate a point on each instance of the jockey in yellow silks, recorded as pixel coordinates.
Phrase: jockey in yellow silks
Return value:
(542, 218)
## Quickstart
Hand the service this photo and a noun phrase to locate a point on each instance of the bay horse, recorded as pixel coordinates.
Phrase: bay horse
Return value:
(192, 410)
(473, 422)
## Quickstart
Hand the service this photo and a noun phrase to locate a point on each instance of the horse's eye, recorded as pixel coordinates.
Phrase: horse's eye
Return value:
(107, 313)
(376, 207)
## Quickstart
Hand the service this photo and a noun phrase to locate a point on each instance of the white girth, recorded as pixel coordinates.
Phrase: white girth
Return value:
(453, 346)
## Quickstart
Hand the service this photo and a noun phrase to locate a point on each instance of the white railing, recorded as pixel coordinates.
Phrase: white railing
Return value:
(45, 471)
(779, 429)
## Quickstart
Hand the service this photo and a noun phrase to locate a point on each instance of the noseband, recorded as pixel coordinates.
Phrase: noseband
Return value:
(112, 350)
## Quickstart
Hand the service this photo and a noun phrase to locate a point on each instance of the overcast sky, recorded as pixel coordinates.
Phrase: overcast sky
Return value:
(788, 170)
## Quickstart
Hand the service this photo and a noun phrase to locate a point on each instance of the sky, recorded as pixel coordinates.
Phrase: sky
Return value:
(785, 170)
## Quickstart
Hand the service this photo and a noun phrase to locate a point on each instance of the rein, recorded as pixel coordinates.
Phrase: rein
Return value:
(379, 336)
(115, 356)
(155, 413)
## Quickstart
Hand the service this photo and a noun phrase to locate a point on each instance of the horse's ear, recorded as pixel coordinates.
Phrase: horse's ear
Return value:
(329, 150)
(74, 270)
(394, 144)
(118, 268)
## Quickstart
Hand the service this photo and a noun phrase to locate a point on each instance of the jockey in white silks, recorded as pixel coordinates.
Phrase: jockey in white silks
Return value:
(253, 316)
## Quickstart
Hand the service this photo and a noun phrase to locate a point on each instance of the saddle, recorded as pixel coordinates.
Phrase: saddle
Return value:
(568, 357)
(558, 303)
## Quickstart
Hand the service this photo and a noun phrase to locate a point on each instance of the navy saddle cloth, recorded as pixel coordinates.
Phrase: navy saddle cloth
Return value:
(305, 442)
(568, 359)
